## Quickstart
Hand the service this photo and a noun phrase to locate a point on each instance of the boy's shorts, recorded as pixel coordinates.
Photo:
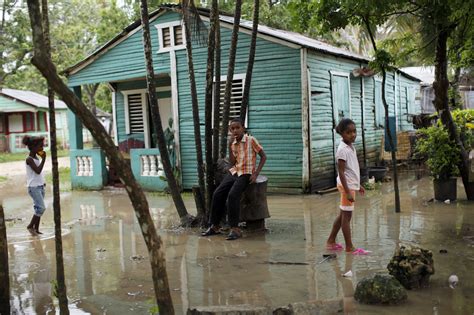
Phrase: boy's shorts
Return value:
(346, 205)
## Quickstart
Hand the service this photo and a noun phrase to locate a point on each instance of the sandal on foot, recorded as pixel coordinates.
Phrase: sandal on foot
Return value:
(335, 246)
(210, 231)
(233, 235)
(361, 251)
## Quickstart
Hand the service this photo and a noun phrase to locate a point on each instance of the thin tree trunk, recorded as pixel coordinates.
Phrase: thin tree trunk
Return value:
(188, 5)
(230, 76)
(137, 197)
(60, 276)
(387, 126)
(392, 146)
(217, 96)
(211, 43)
(440, 86)
(91, 90)
(248, 75)
(4, 269)
(173, 186)
(455, 85)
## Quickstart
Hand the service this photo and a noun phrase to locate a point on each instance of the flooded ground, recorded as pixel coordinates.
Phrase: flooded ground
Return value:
(108, 272)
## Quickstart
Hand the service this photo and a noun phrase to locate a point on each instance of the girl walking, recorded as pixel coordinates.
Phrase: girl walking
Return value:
(35, 180)
(348, 182)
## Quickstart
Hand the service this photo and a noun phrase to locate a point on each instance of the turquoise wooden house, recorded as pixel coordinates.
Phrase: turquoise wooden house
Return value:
(300, 89)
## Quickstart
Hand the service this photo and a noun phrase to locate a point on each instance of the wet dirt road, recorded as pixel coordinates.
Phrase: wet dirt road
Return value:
(108, 272)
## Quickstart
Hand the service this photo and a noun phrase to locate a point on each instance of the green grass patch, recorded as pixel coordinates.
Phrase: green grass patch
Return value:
(64, 178)
(20, 156)
(3, 179)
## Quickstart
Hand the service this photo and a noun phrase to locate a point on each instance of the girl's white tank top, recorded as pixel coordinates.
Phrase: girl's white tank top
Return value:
(33, 179)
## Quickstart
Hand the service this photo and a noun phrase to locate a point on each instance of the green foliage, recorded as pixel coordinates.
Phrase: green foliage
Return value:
(3, 179)
(77, 28)
(15, 46)
(464, 120)
(382, 60)
(441, 153)
(64, 178)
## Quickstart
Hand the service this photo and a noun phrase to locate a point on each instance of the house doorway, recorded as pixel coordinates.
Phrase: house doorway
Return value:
(166, 112)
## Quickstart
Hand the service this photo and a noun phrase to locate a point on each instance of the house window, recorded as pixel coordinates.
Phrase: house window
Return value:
(134, 107)
(340, 85)
(410, 102)
(379, 108)
(237, 93)
(171, 36)
(29, 122)
(41, 117)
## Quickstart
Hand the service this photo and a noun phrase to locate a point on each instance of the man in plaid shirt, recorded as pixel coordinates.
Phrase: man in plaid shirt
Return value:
(243, 150)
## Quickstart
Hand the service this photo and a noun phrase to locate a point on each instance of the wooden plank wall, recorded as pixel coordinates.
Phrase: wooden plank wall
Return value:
(323, 168)
(274, 111)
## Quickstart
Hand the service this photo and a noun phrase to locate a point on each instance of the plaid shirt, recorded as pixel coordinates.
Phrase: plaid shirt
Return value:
(245, 153)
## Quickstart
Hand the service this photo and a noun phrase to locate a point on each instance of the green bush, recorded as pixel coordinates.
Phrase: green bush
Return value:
(441, 153)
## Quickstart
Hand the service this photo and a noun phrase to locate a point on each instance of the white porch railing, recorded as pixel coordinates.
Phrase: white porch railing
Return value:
(151, 165)
(84, 166)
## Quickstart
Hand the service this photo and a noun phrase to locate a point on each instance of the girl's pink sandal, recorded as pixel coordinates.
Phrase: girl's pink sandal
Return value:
(335, 246)
(361, 251)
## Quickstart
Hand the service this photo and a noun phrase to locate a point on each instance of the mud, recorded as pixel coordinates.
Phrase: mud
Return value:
(107, 270)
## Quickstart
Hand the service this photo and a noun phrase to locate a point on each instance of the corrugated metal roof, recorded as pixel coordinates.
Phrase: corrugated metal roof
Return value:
(32, 98)
(298, 39)
(425, 74)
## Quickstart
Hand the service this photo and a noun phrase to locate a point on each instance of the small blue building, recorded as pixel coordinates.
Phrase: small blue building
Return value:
(300, 89)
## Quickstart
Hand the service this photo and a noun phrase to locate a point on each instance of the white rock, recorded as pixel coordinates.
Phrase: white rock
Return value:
(453, 281)
(447, 201)
(348, 274)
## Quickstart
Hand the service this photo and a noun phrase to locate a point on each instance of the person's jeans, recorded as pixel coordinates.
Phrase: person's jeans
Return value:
(37, 193)
(229, 192)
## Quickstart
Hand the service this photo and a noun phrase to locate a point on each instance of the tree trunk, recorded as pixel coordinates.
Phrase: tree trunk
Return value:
(455, 101)
(230, 76)
(217, 97)
(91, 90)
(60, 276)
(155, 112)
(211, 42)
(188, 5)
(248, 75)
(137, 197)
(4, 270)
(387, 126)
(392, 146)
(440, 86)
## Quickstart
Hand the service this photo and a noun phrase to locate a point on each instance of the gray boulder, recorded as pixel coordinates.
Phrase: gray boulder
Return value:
(380, 289)
(412, 266)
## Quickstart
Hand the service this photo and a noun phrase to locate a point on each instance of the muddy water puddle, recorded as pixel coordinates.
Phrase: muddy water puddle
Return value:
(107, 267)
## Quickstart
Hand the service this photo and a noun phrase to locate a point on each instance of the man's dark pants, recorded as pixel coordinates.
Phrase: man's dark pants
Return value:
(229, 191)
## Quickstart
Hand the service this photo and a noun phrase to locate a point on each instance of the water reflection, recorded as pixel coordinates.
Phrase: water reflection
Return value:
(107, 267)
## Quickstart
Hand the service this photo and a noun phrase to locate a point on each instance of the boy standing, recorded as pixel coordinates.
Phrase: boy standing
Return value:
(243, 150)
